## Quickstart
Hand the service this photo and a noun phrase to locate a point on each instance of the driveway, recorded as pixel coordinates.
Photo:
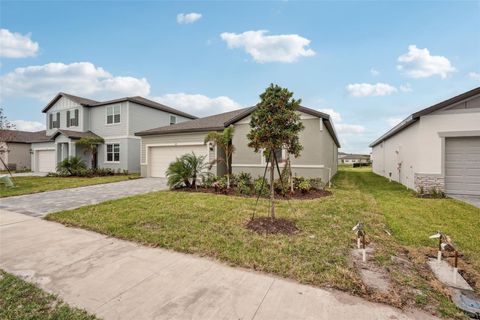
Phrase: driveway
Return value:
(117, 279)
(473, 200)
(40, 204)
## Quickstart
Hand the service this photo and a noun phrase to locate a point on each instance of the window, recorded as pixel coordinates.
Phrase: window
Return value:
(113, 152)
(54, 123)
(278, 153)
(113, 114)
(72, 121)
(173, 119)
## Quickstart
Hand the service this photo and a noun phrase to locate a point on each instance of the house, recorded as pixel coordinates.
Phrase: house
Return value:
(350, 158)
(160, 146)
(437, 147)
(70, 118)
(15, 148)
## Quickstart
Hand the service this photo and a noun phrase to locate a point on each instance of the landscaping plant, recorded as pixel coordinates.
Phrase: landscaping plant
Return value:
(186, 170)
(275, 125)
(71, 166)
(90, 144)
(224, 141)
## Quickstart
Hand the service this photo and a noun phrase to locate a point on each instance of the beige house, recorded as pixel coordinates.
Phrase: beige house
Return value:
(350, 158)
(162, 145)
(437, 147)
(15, 148)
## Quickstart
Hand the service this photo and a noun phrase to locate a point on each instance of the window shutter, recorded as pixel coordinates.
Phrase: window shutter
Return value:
(76, 117)
(58, 120)
(50, 121)
(68, 118)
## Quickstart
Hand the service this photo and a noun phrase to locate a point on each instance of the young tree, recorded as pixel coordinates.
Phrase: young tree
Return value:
(275, 125)
(90, 144)
(224, 141)
(4, 123)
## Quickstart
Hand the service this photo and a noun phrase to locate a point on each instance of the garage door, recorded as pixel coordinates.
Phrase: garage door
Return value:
(46, 161)
(161, 157)
(462, 165)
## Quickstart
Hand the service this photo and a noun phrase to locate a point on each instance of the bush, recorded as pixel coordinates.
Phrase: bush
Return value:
(71, 166)
(304, 186)
(257, 184)
(186, 170)
(245, 178)
(316, 183)
(297, 181)
(101, 172)
(220, 184)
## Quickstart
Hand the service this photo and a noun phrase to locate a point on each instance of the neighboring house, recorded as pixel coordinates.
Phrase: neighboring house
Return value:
(437, 147)
(69, 118)
(351, 158)
(162, 145)
(15, 148)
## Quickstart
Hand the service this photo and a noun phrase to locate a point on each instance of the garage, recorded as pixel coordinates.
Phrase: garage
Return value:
(45, 160)
(161, 156)
(462, 165)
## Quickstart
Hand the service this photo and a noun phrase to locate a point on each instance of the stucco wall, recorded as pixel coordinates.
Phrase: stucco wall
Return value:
(18, 154)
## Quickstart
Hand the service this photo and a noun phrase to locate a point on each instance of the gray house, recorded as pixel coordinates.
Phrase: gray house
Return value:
(69, 118)
(160, 146)
(15, 148)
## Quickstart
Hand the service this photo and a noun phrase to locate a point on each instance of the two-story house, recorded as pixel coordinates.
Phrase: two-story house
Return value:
(69, 118)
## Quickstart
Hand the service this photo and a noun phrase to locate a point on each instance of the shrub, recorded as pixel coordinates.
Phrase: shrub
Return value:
(71, 165)
(245, 178)
(101, 172)
(297, 181)
(435, 193)
(257, 184)
(209, 180)
(304, 186)
(244, 187)
(316, 183)
(186, 170)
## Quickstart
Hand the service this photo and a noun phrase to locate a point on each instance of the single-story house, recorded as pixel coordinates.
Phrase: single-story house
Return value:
(350, 158)
(15, 148)
(161, 146)
(437, 147)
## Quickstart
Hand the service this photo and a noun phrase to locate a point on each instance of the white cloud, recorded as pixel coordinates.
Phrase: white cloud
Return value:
(185, 18)
(349, 128)
(374, 72)
(474, 75)
(336, 117)
(16, 45)
(268, 48)
(198, 104)
(419, 63)
(25, 125)
(406, 88)
(80, 78)
(367, 89)
(392, 122)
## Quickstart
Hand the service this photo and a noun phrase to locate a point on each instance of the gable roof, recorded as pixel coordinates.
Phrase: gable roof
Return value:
(137, 99)
(353, 156)
(74, 134)
(414, 117)
(220, 121)
(17, 136)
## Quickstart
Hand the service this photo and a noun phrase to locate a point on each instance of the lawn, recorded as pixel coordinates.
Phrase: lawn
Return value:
(22, 300)
(27, 185)
(213, 225)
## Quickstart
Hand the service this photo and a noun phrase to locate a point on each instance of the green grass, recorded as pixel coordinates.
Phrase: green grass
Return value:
(22, 300)
(27, 185)
(213, 225)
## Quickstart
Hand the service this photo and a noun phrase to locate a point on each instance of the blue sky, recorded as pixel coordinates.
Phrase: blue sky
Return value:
(369, 64)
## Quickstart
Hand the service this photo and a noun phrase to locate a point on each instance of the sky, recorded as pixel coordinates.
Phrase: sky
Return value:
(368, 64)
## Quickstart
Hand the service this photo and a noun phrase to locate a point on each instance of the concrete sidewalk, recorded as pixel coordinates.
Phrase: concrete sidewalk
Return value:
(117, 279)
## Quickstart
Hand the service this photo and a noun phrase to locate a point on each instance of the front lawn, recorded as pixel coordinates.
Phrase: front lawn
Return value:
(22, 300)
(27, 185)
(213, 225)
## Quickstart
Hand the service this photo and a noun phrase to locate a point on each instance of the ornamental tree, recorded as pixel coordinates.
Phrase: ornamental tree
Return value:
(90, 144)
(275, 125)
(224, 141)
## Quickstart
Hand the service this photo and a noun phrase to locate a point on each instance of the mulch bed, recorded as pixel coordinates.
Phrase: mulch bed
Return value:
(267, 225)
(312, 194)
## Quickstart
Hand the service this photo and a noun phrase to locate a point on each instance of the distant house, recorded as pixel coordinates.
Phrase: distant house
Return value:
(318, 158)
(437, 147)
(15, 148)
(346, 158)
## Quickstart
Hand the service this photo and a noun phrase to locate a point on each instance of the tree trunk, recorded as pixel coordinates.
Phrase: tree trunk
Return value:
(272, 188)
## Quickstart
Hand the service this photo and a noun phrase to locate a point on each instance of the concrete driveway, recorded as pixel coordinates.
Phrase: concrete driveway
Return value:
(473, 200)
(117, 279)
(40, 204)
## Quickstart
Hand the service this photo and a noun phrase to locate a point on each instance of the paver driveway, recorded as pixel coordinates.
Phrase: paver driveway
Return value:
(40, 204)
(117, 279)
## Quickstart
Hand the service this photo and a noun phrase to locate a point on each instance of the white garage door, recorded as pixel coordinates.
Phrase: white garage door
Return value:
(462, 165)
(46, 160)
(161, 157)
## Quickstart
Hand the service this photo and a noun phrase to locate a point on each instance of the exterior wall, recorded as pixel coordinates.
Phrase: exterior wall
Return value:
(144, 118)
(319, 157)
(421, 146)
(98, 121)
(180, 138)
(62, 106)
(18, 154)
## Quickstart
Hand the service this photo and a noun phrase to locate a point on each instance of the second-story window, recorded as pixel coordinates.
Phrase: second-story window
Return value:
(173, 119)
(72, 118)
(113, 114)
(54, 122)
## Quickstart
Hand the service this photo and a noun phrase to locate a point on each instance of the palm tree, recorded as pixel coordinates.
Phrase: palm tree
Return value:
(90, 144)
(224, 141)
(186, 170)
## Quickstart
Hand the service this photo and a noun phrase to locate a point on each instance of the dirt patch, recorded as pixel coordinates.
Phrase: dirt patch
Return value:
(312, 194)
(267, 225)
(374, 277)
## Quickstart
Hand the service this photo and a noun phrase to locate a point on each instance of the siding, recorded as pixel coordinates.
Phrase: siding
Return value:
(62, 106)
(98, 121)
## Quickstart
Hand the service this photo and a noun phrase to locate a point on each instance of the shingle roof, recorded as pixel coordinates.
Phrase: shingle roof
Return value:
(354, 156)
(211, 123)
(140, 100)
(415, 116)
(22, 136)
(74, 134)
